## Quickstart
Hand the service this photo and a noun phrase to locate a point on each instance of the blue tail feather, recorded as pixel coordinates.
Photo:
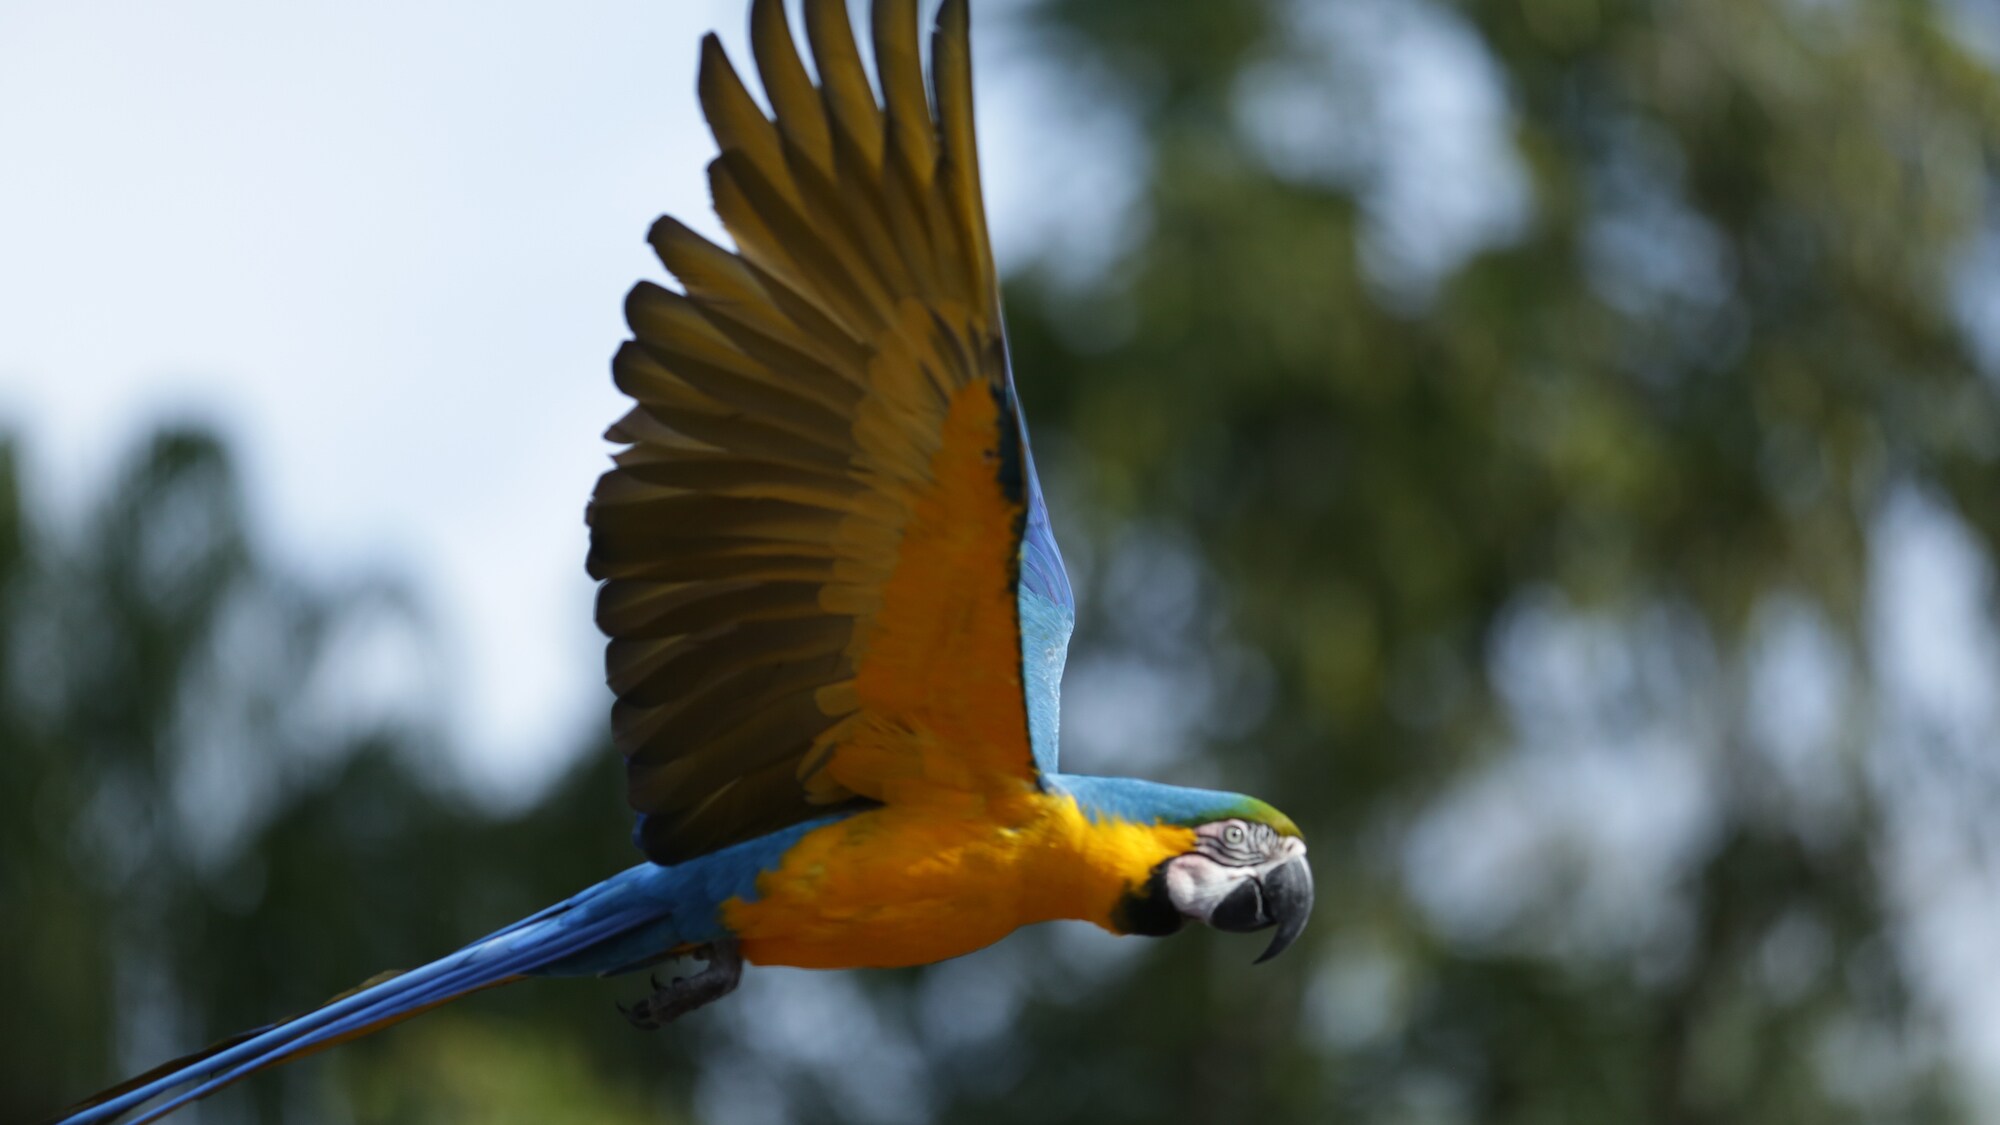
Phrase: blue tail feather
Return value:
(598, 915)
(624, 922)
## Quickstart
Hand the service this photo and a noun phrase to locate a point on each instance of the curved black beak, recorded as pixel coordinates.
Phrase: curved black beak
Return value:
(1282, 898)
(1288, 899)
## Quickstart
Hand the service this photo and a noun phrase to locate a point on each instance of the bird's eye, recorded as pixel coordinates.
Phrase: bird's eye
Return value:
(1233, 834)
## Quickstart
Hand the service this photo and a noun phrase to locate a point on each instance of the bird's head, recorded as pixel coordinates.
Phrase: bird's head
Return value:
(1247, 871)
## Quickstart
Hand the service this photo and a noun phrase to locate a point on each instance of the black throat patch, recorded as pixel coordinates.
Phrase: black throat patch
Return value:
(1148, 910)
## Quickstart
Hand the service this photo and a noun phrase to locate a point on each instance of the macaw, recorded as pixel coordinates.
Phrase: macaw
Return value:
(837, 616)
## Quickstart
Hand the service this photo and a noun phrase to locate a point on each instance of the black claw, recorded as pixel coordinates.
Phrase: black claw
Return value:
(671, 1001)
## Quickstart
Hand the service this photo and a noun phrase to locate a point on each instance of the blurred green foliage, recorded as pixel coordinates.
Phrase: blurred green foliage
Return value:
(195, 846)
(1680, 391)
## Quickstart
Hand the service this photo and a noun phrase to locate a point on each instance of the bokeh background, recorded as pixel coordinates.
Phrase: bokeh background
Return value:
(1550, 447)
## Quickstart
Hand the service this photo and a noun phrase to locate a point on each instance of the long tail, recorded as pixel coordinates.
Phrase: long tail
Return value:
(562, 931)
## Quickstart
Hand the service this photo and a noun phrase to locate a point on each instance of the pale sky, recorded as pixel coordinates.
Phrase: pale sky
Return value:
(383, 246)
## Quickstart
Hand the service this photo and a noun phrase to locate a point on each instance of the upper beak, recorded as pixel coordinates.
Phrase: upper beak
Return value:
(1282, 898)
(1288, 899)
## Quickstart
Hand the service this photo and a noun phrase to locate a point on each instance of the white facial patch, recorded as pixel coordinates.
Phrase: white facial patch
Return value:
(1198, 884)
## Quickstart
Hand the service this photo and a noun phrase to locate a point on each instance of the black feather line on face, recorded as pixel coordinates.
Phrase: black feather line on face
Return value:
(1257, 845)
(1148, 911)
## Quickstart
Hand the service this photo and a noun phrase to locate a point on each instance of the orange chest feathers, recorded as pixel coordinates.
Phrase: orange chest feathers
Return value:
(910, 885)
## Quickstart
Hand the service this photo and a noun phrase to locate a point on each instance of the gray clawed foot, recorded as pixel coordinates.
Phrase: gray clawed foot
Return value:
(682, 995)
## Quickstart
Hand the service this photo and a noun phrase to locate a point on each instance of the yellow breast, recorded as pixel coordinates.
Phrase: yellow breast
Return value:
(923, 882)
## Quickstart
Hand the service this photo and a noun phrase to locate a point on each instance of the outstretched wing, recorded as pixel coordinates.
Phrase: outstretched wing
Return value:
(824, 535)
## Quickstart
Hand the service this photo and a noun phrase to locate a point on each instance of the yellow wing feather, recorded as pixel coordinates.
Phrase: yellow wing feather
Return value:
(811, 543)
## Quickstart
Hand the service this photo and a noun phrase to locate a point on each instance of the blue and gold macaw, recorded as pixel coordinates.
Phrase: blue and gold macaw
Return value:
(836, 611)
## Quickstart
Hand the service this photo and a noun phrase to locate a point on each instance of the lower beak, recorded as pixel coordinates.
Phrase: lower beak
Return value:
(1282, 898)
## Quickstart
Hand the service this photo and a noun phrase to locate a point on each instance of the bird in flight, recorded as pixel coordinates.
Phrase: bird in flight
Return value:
(837, 616)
